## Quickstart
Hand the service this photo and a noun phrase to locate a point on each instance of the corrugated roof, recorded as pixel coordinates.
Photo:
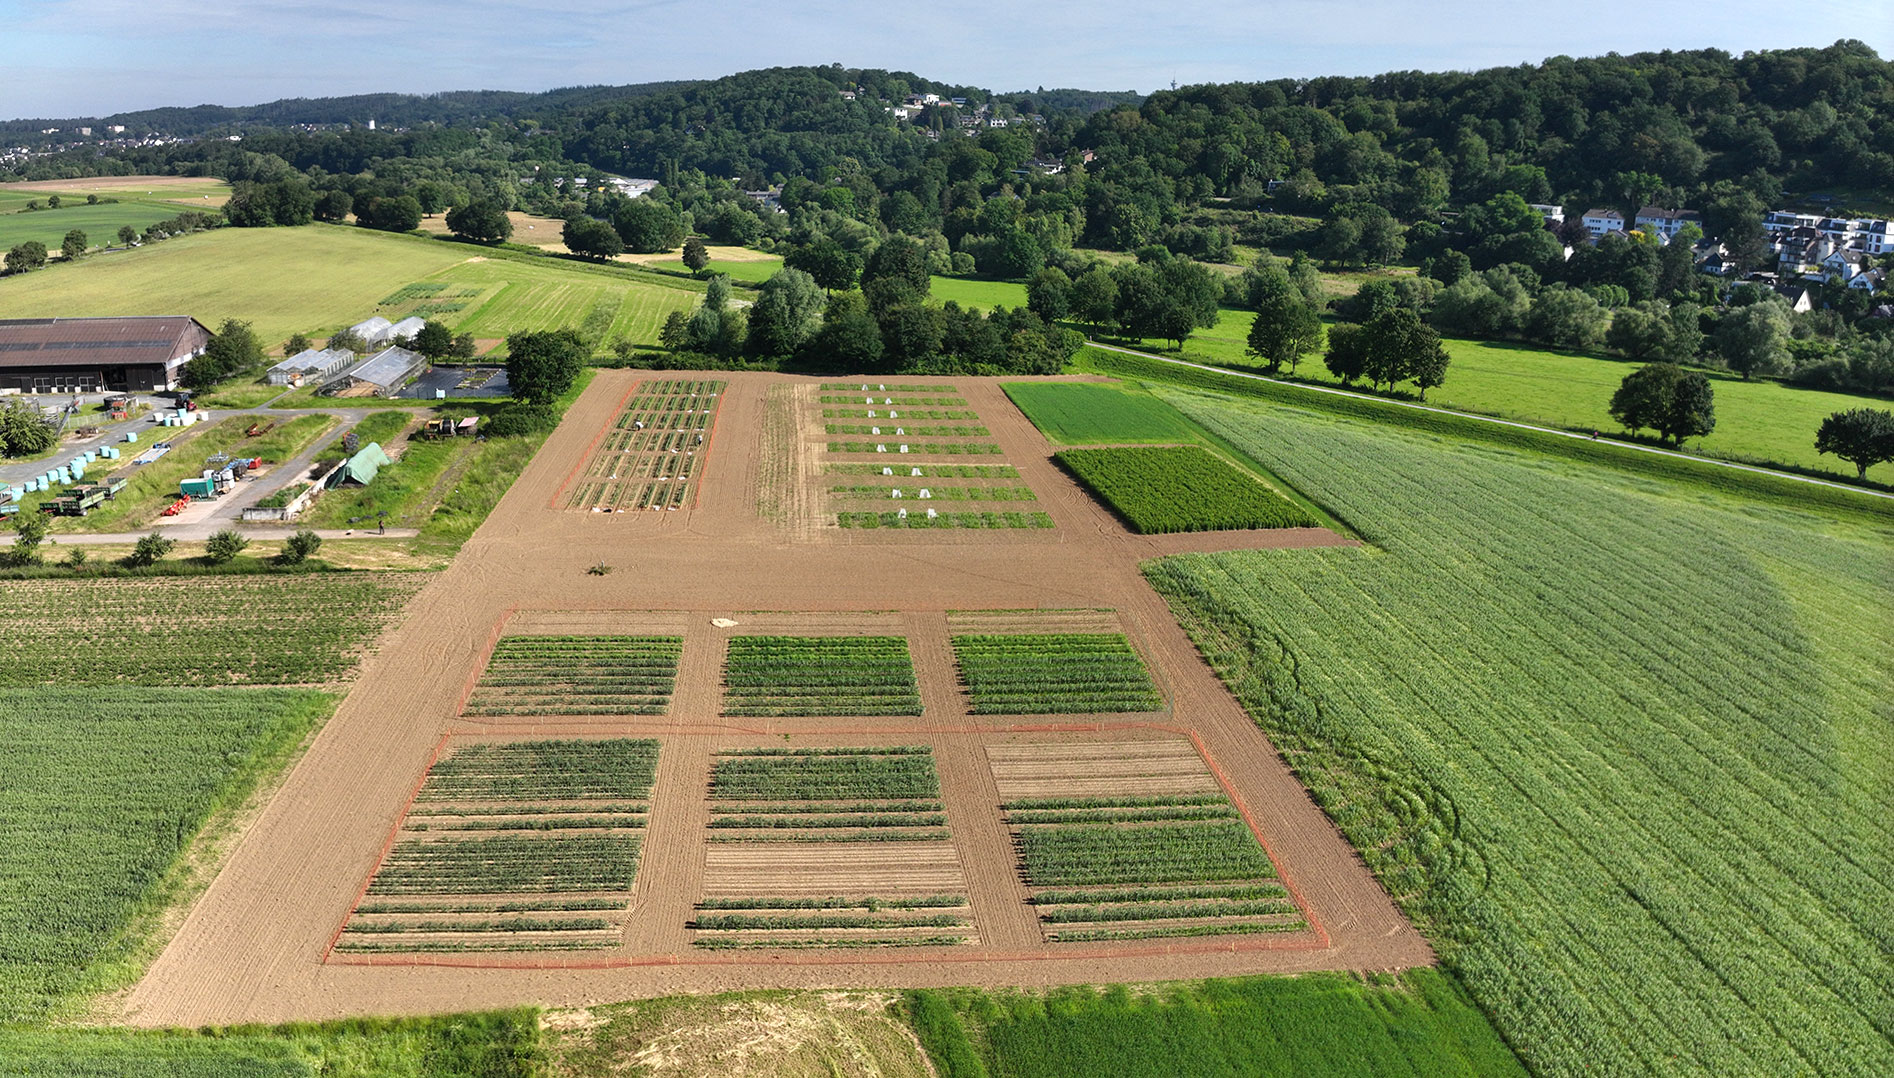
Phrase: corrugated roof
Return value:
(388, 366)
(93, 342)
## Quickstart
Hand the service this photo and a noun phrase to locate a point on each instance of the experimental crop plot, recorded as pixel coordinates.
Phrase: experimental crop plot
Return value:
(839, 847)
(1180, 489)
(578, 675)
(513, 846)
(1135, 840)
(1053, 674)
(819, 675)
(910, 456)
(652, 454)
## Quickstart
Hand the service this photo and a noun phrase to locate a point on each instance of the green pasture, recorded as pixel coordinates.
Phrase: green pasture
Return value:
(1095, 413)
(1618, 744)
(976, 294)
(318, 279)
(1318, 1024)
(102, 790)
(1755, 421)
(100, 223)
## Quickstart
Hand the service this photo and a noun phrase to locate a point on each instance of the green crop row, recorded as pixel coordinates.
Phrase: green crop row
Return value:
(746, 777)
(1090, 855)
(567, 675)
(880, 387)
(505, 924)
(834, 902)
(917, 518)
(741, 921)
(530, 823)
(1069, 673)
(825, 942)
(890, 447)
(925, 819)
(934, 471)
(508, 864)
(1164, 911)
(865, 412)
(788, 675)
(906, 431)
(1180, 489)
(550, 905)
(544, 770)
(947, 494)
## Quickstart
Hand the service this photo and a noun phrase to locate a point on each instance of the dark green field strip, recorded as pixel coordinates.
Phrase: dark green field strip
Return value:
(903, 805)
(1091, 855)
(1262, 889)
(544, 770)
(712, 922)
(917, 518)
(509, 864)
(509, 942)
(547, 675)
(1054, 673)
(850, 675)
(527, 823)
(885, 834)
(823, 777)
(504, 924)
(1165, 911)
(1180, 489)
(544, 905)
(633, 808)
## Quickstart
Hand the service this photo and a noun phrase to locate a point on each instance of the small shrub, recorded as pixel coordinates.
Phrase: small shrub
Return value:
(149, 550)
(224, 545)
(75, 558)
(519, 419)
(299, 547)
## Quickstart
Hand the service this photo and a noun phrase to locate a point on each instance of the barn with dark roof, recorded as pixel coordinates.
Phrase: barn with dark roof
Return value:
(95, 355)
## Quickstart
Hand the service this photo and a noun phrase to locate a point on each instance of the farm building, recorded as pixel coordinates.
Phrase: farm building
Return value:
(373, 331)
(360, 469)
(406, 328)
(384, 372)
(310, 365)
(94, 355)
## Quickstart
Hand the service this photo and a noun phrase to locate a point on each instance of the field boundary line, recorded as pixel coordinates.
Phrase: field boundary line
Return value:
(1496, 421)
(703, 465)
(586, 457)
(485, 657)
(387, 846)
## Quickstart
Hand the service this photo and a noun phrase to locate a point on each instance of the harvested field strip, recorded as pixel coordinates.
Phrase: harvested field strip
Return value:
(1072, 620)
(1067, 673)
(1180, 489)
(824, 869)
(544, 770)
(588, 675)
(788, 675)
(1101, 774)
(650, 456)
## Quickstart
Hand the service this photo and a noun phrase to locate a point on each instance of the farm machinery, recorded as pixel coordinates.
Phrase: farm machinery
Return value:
(79, 501)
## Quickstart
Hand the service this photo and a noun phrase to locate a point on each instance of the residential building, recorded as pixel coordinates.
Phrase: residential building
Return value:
(1667, 223)
(1553, 215)
(1599, 221)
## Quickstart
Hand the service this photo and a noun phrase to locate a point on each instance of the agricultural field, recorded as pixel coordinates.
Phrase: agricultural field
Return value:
(267, 629)
(1135, 840)
(1180, 489)
(1755, 420)
(343, 275)
(1053, 673)
(1091, 413)
(650, 456)
(578, 675)
(512, 846)
(936, 417)
(1312, 1026)
(840, 847)
(102, 792)
(1617, 745)
(100, 222)
(819, 675)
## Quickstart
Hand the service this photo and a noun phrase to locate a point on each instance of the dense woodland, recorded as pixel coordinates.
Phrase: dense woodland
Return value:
(1430, 170)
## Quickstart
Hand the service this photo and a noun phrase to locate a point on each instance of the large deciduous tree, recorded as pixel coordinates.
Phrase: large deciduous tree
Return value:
(1676, 403)
(1754, 339)
(481, 220)
(1285, 329)
(785, 314)
(648, 226)
(1863, 437)
(589, 237)
(542, 365)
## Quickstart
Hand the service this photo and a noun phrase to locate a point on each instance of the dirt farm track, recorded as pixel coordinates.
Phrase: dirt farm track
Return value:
(756, 546)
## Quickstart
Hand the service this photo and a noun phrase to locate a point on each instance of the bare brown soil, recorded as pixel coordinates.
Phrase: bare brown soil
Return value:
(253, 948)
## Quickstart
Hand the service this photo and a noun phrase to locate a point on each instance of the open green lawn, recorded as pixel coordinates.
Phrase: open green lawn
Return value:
(100, 223)
(1760, 421)
(1318, 1024)
(1095, 413)
(101, 791)
(321, 278)
(1618, 745)
(977, 294)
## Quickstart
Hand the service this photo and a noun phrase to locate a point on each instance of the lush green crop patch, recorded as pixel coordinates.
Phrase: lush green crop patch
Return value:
(1088, 413)
(819, 675)
(288, 629)
(1087, 855)
(824, 774)
(1618, 744)
(101, 791)
(578, 675)
(1054, 673)
(512, 838)
(1180, 489)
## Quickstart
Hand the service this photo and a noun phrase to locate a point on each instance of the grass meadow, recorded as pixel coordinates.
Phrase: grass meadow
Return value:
(977, 294)
(1093, 413)
(318, 279)
(100, 223)
(1757, 420)
(1618, 745)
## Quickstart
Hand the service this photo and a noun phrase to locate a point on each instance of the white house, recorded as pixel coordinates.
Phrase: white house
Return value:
(1598, 222)
(1667, 223)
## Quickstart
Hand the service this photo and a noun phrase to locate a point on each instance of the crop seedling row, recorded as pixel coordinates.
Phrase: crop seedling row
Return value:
(653, 452)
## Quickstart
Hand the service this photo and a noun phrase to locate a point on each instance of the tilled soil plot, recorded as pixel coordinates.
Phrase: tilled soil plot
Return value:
(254, 946)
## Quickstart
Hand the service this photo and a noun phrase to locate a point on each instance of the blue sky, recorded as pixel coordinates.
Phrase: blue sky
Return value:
(92, 57)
